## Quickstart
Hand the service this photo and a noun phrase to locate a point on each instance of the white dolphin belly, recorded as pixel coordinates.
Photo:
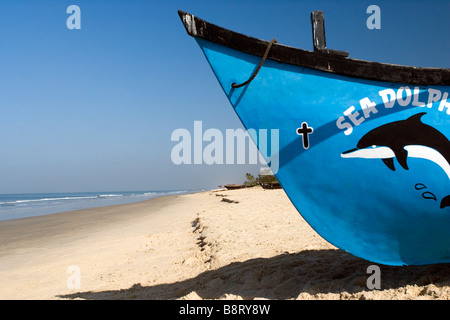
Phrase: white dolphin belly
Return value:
(370, 153)
(431, 154)
(414, 151)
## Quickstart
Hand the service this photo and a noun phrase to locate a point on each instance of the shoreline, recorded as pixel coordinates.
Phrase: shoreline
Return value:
(64, 224)
(19, 206)
(220, 244)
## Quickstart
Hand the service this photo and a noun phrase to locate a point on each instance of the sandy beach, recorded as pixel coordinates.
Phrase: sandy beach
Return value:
(236, 244)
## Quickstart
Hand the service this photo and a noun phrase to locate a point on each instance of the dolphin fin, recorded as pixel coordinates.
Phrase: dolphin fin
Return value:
(416, 117)
(401, 156)
(390, 163)
(445, 202)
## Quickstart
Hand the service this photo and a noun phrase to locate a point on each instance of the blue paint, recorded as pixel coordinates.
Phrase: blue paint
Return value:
(357, 204)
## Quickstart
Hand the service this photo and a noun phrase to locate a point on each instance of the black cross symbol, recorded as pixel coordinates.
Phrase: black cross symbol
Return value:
(305, 130)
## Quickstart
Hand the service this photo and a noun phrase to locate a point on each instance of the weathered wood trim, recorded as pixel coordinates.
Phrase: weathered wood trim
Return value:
(324, 61)
(318, 30)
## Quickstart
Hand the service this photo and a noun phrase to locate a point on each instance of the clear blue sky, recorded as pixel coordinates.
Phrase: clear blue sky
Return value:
(94, 109)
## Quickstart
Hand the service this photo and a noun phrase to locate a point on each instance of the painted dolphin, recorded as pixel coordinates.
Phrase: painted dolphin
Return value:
(403, 139)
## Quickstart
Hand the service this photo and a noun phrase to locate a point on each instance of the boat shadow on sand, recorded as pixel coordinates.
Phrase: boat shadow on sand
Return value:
(291, 276)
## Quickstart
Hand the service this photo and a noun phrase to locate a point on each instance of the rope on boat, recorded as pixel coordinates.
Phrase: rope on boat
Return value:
(266, 53)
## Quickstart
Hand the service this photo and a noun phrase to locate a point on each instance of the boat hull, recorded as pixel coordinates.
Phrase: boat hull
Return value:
(362, 147)
(355, 201)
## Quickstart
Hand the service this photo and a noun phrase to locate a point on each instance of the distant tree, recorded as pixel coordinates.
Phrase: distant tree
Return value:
(251, 181)
(267, 179)
(266, 176)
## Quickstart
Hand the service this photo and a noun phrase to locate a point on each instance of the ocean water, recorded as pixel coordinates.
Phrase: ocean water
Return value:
(15, 206)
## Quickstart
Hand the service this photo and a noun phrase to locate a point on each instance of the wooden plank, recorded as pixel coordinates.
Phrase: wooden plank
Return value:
(318, 30)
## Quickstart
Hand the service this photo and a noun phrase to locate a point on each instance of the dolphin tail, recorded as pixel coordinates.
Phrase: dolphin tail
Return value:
(445, 202)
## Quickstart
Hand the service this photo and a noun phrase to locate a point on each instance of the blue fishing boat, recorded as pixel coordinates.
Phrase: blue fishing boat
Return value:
(364, 147)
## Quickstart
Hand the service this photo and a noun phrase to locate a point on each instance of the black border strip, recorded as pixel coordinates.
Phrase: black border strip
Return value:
(323, 61)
